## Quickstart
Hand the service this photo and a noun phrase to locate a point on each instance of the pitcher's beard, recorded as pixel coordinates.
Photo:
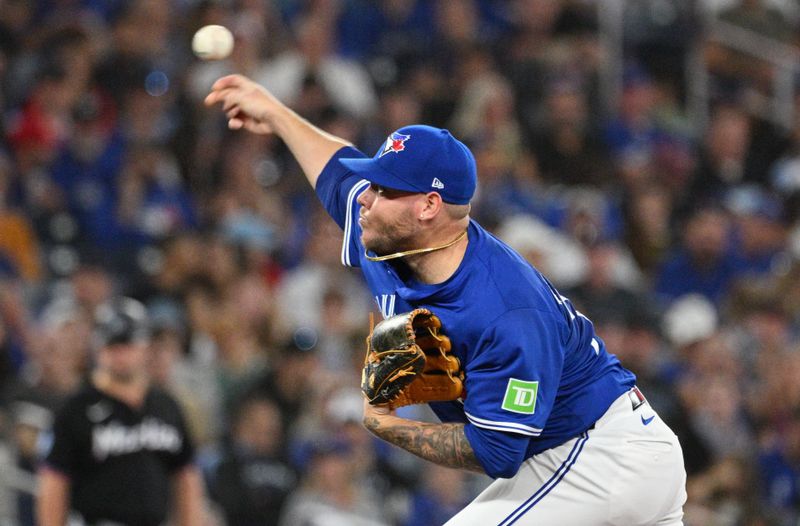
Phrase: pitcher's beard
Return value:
(382, 246)
(390, 239)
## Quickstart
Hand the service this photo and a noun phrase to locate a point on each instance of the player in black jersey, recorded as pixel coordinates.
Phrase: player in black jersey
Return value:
(121, 453)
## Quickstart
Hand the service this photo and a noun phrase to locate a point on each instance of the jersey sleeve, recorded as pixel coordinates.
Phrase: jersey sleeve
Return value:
(338, 188)
(513, 376)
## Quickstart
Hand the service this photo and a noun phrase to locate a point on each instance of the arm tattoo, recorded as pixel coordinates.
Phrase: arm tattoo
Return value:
(443, 444)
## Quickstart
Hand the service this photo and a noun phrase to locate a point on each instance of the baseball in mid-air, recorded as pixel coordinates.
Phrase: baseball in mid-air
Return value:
(212, 42)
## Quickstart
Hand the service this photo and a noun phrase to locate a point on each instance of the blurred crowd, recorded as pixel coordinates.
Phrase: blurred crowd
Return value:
(681, 243)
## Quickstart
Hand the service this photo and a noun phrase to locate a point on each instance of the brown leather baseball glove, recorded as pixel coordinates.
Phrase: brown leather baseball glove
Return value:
(409, 361)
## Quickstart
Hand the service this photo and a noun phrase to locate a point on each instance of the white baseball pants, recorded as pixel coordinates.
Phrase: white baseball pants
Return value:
(627, 471)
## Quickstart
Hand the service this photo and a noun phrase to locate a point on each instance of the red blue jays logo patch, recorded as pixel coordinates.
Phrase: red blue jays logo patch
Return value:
(395, 143)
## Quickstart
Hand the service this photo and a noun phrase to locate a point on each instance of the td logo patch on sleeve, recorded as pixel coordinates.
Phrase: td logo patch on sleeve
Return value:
(520, 396)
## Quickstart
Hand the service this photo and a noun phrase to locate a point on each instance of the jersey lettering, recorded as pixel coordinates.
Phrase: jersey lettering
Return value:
(114, 439)
(567, 304)
(386, 304)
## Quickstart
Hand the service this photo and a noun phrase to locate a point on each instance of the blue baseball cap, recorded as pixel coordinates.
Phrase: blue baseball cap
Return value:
(421, 159)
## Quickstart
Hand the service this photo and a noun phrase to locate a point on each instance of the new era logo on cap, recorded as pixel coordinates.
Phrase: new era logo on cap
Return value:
(429, 159)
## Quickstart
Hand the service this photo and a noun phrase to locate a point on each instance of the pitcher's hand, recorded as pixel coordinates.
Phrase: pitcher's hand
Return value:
(246, 104)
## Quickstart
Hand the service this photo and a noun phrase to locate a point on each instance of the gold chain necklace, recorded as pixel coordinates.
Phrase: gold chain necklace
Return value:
(415, 251)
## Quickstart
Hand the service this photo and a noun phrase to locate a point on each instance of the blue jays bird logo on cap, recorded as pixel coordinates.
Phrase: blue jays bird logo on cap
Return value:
(395, 143)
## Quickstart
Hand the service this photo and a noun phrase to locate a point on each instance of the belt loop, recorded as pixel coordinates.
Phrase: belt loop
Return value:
(637, 398)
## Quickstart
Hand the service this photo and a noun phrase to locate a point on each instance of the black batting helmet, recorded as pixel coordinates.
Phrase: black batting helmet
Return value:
(123, 320)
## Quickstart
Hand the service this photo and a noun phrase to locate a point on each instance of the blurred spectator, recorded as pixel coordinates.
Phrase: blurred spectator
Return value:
(662, 35)
(560, 258)
(241, 359)
(611, 283)
(291, 380)
(247, 209)
(193, 386)
(687, 324)
(304, 286)
(510, 189)
(38, 130)
(431, 87)
(634, 133)
(775, 399)
(721, 495)
(605, 296)
(648, 228)
(30, 423)
(566, 144)
(140, 32)
(759, 230)
(399, 107)
(458, 24)
(718, 409)
(442, 495)
(644, 350)
(689, 319)
(182, 260)
(200, 299)
(484, 115)
(703, 263)
(8, 508)
(778, 461)
(374, 465)
(588, 215)
(314, 65)
(91, 285)
(152, 203)
(252, 481)
(340, 345)
(738, 71)
(59, 358)
(784, 173)
(329, 494)
(85, 171)
(763, 324)
(18, 331)
(723, 160)
(19, 245)
(7, 372)
(395, 33)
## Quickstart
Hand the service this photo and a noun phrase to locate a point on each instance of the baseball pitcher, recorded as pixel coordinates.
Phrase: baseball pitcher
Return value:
(524, 388)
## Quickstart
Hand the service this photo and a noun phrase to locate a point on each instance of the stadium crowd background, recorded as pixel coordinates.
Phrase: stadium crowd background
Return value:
(681, 243)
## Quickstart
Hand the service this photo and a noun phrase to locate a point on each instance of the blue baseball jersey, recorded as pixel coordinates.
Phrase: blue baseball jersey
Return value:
(536, 374)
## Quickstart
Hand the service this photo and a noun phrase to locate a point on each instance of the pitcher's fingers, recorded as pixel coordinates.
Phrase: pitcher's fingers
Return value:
(228, 81)
(229, 104)
(218, 95)
(214, 97)
(211, 98)
(235, 123)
